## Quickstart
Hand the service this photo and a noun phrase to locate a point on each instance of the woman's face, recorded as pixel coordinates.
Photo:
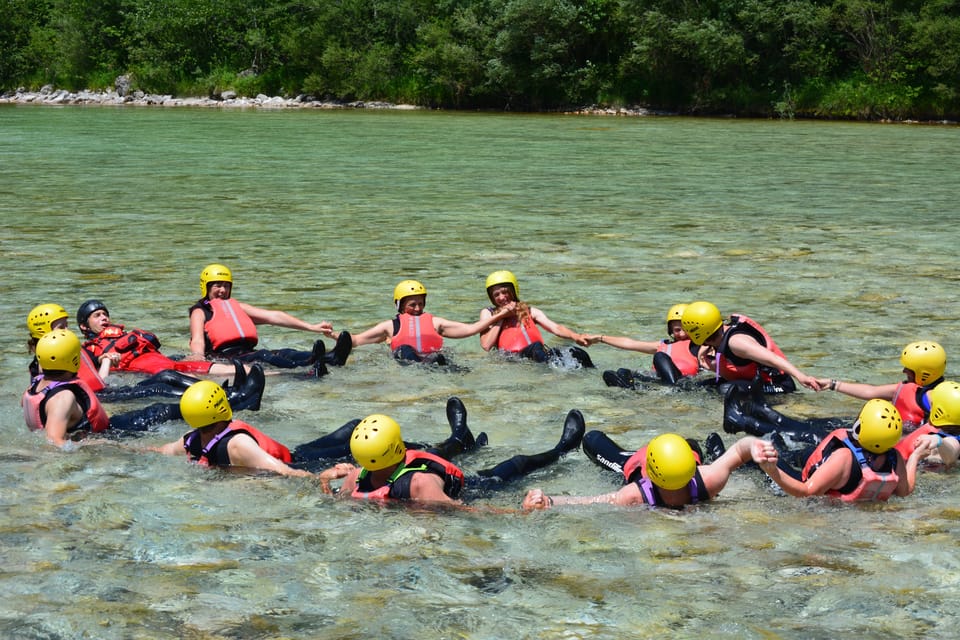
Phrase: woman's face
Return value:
(219, 290)
(413, 305)
(502, 294)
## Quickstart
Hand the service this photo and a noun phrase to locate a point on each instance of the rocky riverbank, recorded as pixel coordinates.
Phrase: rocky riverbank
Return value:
(51, 96)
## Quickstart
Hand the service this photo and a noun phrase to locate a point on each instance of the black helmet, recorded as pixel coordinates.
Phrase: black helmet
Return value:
(86, 309)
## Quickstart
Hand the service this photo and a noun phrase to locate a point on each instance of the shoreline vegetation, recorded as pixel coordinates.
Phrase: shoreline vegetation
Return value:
(49, 96)
(865, 60)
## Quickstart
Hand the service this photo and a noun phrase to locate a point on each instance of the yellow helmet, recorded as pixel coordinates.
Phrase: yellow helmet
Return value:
(376, 443)
(407, 288)
(503, 277)
(926, 359)
(701, 320)
(214, 273)
(945, 404)
(204, 403)
(59, 350)
(670, 461)
(879, 426)
(675, 313)
(42, 316)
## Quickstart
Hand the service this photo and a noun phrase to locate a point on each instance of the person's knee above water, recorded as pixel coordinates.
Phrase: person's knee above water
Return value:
(518, 331)
(674, 358)
(389, 470)
(856, 464)
(924, 364)
(220, 440)
(742, 349)
(221, 326)
(665, 473)
(134, 350)
(413, 334)
(65, 408)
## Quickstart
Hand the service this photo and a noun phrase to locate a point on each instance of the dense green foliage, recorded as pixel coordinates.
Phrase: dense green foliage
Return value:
(828, 58)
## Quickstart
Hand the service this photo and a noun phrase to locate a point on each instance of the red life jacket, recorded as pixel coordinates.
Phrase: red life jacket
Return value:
(34, 405)
(417, 332)
(679, 353)
(89, 373)
(414, 461)
(874, 485)
(905, 400)
(515, 337)
(265, 442)
(229, 324)
(728, 369)
(129, 344)
(909, 442)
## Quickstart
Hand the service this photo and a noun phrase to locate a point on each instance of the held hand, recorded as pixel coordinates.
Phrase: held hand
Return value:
(536, 499)
(824, 383)
(811, 383)
(508, 309)
(592, 338)
(330, 333)
(764, 453)
(322, 327)
(581, 339)
(341, 470)
(925, 445)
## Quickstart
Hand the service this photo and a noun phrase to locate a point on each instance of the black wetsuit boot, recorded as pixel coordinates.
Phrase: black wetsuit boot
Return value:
(341, 351)
(461, 439)
(249, 393)
(521, 465)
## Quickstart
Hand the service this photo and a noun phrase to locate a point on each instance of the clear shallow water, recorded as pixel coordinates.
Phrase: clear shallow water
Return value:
(838, 237)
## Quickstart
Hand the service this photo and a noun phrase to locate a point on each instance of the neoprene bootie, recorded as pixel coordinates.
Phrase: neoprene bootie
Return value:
(573, 429)
(665, 368)
(249, 395)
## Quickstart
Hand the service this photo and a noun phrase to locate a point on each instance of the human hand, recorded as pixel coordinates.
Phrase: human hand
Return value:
(536, 499)
(812, 383)
(764, 453)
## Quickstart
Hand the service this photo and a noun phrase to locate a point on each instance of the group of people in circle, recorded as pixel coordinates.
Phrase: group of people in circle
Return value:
(873, 458)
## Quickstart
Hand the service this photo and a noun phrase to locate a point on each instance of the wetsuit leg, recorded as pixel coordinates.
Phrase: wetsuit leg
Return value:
(331, 446)
(745, 409)
(780, 383)
(665, 368)
(142, 419)
(143, 389)
(605, 452)
(581, 356)
(536, 352)
(521, 465)
(405, 354)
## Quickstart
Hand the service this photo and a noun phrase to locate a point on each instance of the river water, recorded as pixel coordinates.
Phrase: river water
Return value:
(840, 238)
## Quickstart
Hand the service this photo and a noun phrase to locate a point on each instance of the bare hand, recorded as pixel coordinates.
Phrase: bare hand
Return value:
(764, 453)
(536, 499)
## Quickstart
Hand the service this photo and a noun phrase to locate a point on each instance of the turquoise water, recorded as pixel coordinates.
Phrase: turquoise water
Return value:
(838, 237)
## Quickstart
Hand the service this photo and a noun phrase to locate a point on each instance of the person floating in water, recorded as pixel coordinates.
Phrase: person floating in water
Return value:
(743, 350)
(223, 327)
(518, 331)
(44, 318)
(389, 470)
(673, 359)
(668, 472)
(856, 464)
(924, 363)
(417, 336)
(61, 405)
